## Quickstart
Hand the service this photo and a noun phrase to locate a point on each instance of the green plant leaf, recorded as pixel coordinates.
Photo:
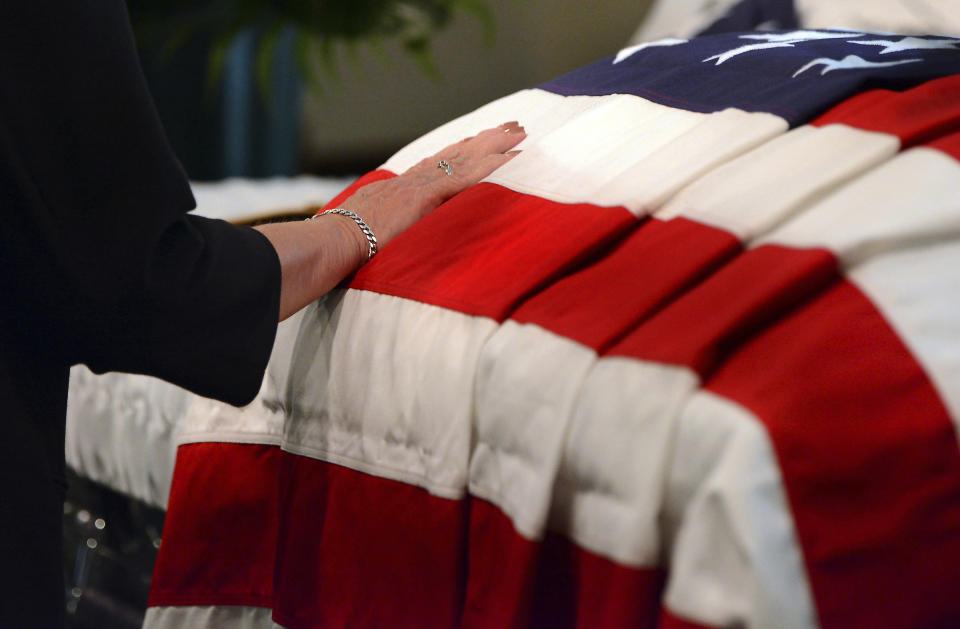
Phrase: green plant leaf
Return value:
(379, 50)
(479, 10)
(420, 54)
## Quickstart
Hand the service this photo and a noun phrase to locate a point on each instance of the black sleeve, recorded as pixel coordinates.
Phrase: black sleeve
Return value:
(99, 262)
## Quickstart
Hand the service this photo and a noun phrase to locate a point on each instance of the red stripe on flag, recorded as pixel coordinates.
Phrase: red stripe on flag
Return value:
(653, 265)
(869, 458)
(949, 144)
(484, 250)
(868, 453)
(220, 532)
(702, 325)
(361, 551)
(917, 115)
(515, 582)
(579, 589)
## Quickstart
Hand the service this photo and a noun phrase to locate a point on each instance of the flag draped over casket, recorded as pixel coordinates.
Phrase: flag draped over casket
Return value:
(692, 359)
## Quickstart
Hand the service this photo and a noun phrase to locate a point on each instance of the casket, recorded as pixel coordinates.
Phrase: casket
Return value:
(689, 360)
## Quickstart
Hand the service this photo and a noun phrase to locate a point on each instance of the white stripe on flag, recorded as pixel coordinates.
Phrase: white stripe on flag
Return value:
(609, 491)
(912, 200)
(527, 382)
(384, 385)
(607, 150)
(628, 151)
(918, 292)
(757, 191)
(718, 137)
(575, 162)
(209, 617)
(736, 560)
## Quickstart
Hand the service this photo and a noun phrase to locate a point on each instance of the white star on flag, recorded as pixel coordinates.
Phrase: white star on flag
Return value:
(847, 63)
(794, 37)
(778, 40)
(910, 43)
(632, 50)
(749, 48)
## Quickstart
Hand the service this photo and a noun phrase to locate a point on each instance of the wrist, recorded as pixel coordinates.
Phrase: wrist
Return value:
(354, 230)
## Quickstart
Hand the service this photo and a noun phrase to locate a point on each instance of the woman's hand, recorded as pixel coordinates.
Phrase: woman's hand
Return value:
(316, 255)
(392, 205)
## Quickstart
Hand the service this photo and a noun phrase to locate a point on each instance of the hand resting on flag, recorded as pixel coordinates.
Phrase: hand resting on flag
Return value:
(316, 255)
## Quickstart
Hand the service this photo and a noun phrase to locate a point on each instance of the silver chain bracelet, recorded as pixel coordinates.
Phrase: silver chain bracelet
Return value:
(371, 239)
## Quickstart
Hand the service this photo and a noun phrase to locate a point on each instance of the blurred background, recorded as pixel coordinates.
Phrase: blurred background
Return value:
(356, 93)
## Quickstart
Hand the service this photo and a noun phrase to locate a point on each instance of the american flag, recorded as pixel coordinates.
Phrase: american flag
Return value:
(691, 360)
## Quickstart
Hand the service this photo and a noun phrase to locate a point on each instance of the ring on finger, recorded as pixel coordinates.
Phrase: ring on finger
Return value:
(445, 166)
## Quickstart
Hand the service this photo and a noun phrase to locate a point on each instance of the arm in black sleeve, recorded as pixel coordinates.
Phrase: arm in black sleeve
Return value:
(99, 262)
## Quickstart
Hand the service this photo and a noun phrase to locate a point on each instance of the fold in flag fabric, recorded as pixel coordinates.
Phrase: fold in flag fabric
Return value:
(690, 360)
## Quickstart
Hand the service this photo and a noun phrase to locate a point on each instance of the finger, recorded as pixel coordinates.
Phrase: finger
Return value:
(484, 167)
(466, 160)
(471, 173)
(429, 167)
(507, 127)
(496, 140)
